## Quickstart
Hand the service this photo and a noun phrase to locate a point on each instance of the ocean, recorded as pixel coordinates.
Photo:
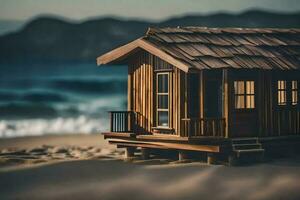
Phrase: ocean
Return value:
(59, 98)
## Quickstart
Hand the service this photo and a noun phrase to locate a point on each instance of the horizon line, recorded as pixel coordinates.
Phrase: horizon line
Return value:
(124, 18)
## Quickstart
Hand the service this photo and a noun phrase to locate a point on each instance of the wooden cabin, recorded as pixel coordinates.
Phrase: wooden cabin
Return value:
(223, 91)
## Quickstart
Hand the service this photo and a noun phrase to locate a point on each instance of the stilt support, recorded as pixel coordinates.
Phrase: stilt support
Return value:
(182, 156)
(145, 153)
(129, 152)
(232, 160)
(211, 159)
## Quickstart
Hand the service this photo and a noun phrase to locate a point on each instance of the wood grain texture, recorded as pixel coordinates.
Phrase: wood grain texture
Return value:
(205, 48)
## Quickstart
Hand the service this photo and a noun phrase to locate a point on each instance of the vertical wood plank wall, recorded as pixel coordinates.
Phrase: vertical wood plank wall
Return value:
(272, 119)
(225, 102)
(276, 120)
(142, 68)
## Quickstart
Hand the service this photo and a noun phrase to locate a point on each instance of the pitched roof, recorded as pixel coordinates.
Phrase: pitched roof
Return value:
(209, 48)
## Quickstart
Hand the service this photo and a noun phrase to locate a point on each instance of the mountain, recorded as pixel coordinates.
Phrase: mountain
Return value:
(49, 39)
(7, 26)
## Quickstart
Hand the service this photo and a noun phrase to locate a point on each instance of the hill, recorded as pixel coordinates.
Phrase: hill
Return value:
(49, 39)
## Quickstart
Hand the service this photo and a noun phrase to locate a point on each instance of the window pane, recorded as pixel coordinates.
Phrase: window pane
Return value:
(162, 83)
(294, 92)
(281, 92)
(250, 101)
(294, 85)
(239, 87)
(239, 101)
(294, 97)
(281, 85)
(282, 97)
(163, 101)
(163, 118)
(250, 87)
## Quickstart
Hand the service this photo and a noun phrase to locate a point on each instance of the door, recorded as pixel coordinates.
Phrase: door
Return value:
(212, 99)
(244, 112)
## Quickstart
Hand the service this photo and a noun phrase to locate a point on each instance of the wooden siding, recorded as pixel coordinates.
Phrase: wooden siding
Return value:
(267, 119)
(142, 69)
(277, 120)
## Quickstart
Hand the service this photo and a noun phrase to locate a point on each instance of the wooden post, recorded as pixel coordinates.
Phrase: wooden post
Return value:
(201, 90)
(232, 160)
(261, 157)
(201, 111)
(132, 122)
(182, 155)
(129, 88)
(211, 159)
(111, 121)
(129, 152)
(145, 153)
(186, 95)
(225, 101)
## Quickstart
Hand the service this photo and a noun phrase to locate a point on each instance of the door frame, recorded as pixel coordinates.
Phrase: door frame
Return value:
(219, 96)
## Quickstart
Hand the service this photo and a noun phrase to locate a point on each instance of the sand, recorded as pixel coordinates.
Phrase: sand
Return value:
(27, 151)
(85, 167)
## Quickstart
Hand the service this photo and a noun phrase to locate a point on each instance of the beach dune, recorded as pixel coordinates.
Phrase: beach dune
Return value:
(107, 176)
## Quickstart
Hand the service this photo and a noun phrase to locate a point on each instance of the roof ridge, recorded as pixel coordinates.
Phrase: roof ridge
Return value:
(203, 29)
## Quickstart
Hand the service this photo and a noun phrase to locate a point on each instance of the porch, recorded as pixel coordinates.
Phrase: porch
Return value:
(131, 123)
(197, 135)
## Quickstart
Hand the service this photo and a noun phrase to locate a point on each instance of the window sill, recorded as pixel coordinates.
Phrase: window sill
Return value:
(287, 107)
(238, 110)
(162, 130)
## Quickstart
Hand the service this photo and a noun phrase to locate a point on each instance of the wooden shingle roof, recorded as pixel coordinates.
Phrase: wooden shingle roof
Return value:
(209, 48)
(205, 48)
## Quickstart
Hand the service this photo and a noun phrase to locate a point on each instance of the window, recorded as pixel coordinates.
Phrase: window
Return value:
(287, 92)
(281, 85)
(162, 88)
(294, 92)
(244, 94)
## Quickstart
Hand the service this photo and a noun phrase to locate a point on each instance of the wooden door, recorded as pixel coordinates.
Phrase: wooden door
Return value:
(212, 99)
(244, 115)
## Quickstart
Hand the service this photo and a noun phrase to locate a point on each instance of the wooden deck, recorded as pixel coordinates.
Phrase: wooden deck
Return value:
(203, 144)
(172, 142)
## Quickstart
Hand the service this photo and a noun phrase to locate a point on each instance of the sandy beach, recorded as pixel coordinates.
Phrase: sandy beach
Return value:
(86, 167)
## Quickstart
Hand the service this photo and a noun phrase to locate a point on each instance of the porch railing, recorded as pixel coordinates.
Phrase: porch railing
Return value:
(122, 121)
(193, 127)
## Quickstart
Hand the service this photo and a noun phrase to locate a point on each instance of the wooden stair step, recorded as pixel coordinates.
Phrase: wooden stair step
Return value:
(249, 152)
(244, 140)
(246, 146)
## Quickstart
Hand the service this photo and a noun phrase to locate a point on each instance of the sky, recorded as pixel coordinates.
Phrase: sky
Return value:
(145, 9)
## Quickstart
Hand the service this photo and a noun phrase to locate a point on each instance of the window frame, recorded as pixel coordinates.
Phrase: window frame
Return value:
(293, 91)
(290, 91)
(162, 94)
(283, 90)
(244, 95)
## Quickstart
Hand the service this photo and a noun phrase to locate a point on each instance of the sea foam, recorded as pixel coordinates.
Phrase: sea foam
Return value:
(26, 127)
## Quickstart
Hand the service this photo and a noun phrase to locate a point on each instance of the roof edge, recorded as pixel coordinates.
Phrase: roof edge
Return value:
(123, 51)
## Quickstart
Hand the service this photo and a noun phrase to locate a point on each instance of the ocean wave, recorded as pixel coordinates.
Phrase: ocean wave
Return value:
(43, 97)
(93, 107)
(80, 124)
(77, 85)
(91, 86)
(8, 96)
(32, 96)
(26, 110)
